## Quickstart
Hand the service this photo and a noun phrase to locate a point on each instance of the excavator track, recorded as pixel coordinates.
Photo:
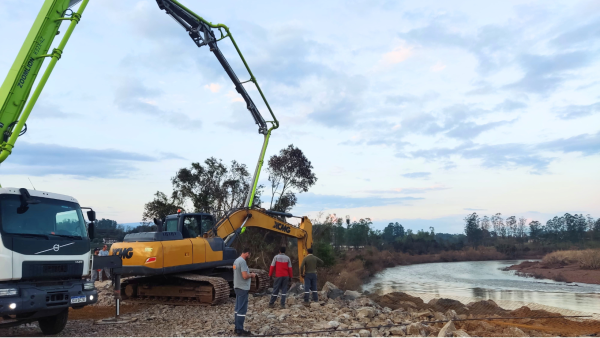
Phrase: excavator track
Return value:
(181, 289)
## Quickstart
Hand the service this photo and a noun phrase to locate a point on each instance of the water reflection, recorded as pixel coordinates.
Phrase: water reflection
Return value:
(486, 280)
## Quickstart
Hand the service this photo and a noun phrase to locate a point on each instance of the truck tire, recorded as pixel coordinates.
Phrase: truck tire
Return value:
(54, 324)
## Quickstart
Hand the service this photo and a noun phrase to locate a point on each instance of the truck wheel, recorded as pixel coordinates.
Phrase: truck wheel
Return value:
(54, 324)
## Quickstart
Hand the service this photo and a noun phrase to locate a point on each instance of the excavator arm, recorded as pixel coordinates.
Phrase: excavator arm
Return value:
(15, 90)
(234, 223)
(201, 32)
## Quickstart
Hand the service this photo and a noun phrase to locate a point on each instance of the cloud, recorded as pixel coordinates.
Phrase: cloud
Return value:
(470, 130)
(577, 111)
(39, 159)
(311, 201)
(545, 73)
(510, 105)
(397, 55)
(337, 105)
(213, 87)
(582, 35)
(438, 67)
(45, 110)
(474, 209)
(132, 95)
(408, 190)
(586, 144)
(418, 174)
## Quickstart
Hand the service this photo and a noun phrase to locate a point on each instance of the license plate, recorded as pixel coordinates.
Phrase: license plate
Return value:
(78, 299)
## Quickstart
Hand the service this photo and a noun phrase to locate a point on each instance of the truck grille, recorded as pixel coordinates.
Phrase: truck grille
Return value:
(40, 270)
(57, 298)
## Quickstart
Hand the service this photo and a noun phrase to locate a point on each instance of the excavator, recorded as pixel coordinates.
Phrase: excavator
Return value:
(188, 259)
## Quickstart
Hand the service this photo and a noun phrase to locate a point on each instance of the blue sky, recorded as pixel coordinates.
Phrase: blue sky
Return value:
(419, 112)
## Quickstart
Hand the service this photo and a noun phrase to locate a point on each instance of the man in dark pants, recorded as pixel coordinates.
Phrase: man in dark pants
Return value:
(242, 278)
(282, 267)
(308, 270)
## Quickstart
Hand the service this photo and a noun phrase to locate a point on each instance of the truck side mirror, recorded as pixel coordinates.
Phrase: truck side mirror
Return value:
(91, 230)
(91, 215)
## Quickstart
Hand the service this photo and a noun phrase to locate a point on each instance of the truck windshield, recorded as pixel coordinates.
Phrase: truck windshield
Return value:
(49, 217)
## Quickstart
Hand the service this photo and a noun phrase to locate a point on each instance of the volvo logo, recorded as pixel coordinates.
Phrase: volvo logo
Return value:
(55, 248)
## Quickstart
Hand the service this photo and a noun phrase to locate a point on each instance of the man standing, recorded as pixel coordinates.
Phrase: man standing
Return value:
(94, 271)
(104, 252)
(242, 278)
(282, 267)
(310, 276)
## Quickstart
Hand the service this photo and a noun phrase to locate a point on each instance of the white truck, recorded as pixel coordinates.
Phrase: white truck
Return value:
(44, 258)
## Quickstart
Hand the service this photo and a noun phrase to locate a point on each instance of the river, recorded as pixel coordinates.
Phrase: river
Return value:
(469, 281)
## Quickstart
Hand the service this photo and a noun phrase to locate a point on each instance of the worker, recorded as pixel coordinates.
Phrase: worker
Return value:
(308, 270)
(282, 268)
(96, 272)
(104, 253)
(242, 278)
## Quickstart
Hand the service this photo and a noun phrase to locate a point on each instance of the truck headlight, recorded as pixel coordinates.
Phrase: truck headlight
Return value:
(88, 286)
(9, 292)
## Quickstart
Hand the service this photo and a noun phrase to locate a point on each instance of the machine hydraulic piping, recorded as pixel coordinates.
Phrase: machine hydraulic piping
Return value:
(21, 76)
(201, 32)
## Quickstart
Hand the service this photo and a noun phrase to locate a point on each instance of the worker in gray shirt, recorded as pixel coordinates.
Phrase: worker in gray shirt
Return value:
(104, 253)
(242, 278)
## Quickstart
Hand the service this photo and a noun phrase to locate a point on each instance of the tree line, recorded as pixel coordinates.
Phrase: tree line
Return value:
(575, 228)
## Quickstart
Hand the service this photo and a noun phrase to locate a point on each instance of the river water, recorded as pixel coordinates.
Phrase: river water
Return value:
(485, 280)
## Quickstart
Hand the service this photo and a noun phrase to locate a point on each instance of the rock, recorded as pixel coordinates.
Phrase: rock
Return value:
(416, 329)
(439, 316)
(423, 314)
(514, 332)
(351, 295)
(328, 287)
(364, 333)
(447, 330)
(451, 314)
(263, 330)
(460, 333)
(296, 289)
(397, 332)
(365, 312)
(270, 291)
(315, 305)
(333, 324)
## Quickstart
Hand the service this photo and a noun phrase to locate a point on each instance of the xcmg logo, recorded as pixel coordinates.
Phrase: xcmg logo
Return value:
(281, 227)
(123, 252)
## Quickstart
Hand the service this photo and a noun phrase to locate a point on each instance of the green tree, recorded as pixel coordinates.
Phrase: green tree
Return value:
(289, 172)
(160, 207)
(535, 230)
(472, 229)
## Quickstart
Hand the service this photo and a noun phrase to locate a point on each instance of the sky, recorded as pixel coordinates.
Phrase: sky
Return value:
(411, 112)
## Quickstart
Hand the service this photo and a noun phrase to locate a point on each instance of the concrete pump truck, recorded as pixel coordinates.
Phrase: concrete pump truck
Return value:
(45, 241)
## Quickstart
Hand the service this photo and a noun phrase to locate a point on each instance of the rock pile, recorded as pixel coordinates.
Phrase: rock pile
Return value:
(394, 315)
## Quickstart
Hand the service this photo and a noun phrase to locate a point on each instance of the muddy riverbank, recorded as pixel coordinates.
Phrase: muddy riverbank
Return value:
(570, 273)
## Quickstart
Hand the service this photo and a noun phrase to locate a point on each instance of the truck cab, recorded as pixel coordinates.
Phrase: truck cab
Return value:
(44, 258)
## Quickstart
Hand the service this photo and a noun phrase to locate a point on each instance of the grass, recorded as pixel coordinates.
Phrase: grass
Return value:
(587, 259)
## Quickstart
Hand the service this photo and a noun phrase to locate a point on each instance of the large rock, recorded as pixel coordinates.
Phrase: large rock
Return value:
(514, 332)
(416, 329)
(460, 333)
(397, 331)
(365, 312)
(487, 307)
(351, 295)
(447, 330)
(296, 289)
(364, 333)
(445, 304)
(332, 291)
(333, 324)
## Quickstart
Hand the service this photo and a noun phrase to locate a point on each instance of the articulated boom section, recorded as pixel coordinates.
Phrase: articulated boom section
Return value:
(17, 86)
(232, 224)
(202, 34)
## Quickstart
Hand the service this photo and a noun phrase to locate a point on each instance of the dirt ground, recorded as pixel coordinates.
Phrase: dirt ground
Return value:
(571, 273)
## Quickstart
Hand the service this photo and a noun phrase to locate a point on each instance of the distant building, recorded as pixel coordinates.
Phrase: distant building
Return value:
(109, 241)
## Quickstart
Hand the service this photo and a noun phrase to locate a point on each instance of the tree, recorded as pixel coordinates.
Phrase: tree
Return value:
(596, 230)
(485, 223)
(160, 207)
(535, 230)
(498, 224)
(472, 229)
(521, 228)
(392, 231)
(213, 187)
(288, 172)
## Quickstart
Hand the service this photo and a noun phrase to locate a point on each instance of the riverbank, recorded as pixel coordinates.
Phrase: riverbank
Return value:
(395, 314)
(569, 273)
(571, 266)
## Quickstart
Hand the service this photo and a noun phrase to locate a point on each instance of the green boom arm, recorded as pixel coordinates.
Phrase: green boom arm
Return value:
(202, 34)
(21, 76)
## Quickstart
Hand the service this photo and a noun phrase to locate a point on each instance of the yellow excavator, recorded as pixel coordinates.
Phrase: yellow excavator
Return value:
(188, 259)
